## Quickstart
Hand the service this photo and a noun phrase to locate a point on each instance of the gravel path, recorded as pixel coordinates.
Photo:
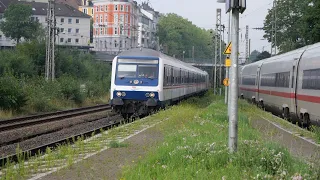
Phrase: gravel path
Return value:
(109, 164)
(67, 128)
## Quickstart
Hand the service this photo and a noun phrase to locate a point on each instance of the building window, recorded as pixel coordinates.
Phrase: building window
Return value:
(96, 31)
(97, 19)
(106, 8)
(122, 18)
(101, 30)
(101, 18)
(97, 8)
(120, 44)
(115, 30)
(85, 11)
(106, 18)
(62, 20)
(127, 8)
(116, 19)
(77, 41)
(70, 21)
(61, 40)
(77, 21)
(101, 8)
(116, 7)
(69, 40)
(92, 11)
(115, 43)
(121, 7)
(77, 31)
(126, 20)
(62, 30)
(69, 30)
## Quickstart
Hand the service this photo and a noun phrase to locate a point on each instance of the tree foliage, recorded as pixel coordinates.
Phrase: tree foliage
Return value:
(263, 55)
(179, 34)
(297, 24)
(253, 56)
(18, 23)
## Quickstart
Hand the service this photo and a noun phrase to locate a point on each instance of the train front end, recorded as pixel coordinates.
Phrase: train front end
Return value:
(134, 86)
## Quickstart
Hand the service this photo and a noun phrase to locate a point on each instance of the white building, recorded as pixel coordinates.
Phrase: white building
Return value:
(74, 25)
(148, 22)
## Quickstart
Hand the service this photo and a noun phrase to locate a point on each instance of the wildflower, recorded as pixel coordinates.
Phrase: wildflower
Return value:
(297, 177)
(164, 166)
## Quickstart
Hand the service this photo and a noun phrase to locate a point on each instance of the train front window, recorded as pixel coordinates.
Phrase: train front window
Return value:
(148, 71)
(127, 71)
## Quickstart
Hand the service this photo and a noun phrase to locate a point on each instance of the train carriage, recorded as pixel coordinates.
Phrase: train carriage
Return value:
(287, 84)
(144, 80)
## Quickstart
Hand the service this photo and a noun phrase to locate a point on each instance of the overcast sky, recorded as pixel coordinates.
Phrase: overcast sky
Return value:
(203, 14)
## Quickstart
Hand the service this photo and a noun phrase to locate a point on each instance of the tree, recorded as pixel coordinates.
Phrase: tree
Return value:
(263, 55)
(18, 23)
(297, 24)
(178, 34)
(253, 56)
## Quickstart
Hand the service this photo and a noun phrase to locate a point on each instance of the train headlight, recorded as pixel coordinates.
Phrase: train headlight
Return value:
(152, 95)
(119, 94)
(123, 94)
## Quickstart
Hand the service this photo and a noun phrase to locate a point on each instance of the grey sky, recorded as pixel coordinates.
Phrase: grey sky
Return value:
(203, 14)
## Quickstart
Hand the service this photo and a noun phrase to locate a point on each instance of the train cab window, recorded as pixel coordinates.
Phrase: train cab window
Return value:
(148, 71)
(126, 70)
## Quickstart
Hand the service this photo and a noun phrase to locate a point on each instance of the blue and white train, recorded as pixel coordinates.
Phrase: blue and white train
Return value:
(144, 80)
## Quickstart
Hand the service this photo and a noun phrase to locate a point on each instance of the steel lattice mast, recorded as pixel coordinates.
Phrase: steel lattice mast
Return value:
(50, 41)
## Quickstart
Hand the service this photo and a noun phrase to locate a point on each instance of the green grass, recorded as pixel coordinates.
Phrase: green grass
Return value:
(195, 147)
(116, 144)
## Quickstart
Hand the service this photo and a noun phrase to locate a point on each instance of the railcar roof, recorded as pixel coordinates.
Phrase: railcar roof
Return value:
(144, 52)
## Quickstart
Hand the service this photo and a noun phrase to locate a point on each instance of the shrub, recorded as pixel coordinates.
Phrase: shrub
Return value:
(70, 89)
(12, 95)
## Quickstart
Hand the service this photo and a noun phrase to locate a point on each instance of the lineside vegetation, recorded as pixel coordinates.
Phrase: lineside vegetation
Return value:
(195, 147)
(80, 80)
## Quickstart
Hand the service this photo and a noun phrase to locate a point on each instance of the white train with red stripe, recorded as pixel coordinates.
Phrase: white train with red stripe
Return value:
(287, 84)
(144, 80)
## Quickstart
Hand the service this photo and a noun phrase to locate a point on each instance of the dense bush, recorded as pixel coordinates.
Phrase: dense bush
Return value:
(78, 77)
(12, 95)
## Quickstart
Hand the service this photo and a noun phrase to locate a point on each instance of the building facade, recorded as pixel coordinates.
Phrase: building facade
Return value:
(115, 25)
(148, 21)
(73, 25)
(87, 7)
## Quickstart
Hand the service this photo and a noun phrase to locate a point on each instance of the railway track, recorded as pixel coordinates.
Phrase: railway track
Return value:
(41, 139)
(21, 122)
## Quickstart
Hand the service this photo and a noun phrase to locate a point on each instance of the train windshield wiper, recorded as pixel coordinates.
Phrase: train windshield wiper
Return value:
(122, 77)
(151, 78)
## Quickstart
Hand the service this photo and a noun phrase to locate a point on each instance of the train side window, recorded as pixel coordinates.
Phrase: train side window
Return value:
(164, 77)
(305, 81)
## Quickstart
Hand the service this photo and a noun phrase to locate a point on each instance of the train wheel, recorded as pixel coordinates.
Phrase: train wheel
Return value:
(306, 121)
(286, 115)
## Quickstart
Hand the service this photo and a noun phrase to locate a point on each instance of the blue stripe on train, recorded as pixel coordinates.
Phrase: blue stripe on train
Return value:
(136, 95)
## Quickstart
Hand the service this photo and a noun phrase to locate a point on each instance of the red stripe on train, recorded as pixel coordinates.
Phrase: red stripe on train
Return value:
(313, 99)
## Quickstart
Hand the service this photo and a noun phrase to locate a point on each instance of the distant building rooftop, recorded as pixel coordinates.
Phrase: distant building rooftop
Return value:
(39, 8)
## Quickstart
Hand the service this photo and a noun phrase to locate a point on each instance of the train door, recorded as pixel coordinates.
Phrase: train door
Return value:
(257, 84)
(293, 84)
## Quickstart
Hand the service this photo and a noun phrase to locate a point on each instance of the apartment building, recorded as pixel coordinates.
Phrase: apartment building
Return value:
(87, 7)
(73, 25)
(115, 25)
(148, 21)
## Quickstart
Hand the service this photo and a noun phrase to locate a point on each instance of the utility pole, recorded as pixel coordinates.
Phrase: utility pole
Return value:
(220, 54)
(218, 22)
(50, 43)
(247, 44)
(236, 7)
(274, 28)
